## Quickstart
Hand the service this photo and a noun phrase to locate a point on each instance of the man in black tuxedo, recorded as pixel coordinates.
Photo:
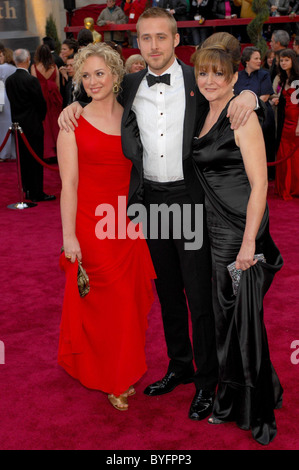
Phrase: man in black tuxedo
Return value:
(28, 108)
(69, 88)
(163, 174)
(158, 125)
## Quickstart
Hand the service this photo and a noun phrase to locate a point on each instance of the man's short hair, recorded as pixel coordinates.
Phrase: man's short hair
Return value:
(281, 36)
(156, 12)
(20, 56)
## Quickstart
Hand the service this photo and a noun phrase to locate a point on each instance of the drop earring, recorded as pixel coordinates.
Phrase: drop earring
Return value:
(115, 88)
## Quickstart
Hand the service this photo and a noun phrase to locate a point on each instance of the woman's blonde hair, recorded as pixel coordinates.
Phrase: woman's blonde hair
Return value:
(133, 59)
(221, 51)
(111, 57)
(8, 56)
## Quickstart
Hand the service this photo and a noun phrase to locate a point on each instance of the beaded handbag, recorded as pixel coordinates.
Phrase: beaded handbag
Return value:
(235, 274)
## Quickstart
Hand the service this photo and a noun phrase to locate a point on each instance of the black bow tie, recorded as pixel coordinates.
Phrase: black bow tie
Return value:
(152, 79)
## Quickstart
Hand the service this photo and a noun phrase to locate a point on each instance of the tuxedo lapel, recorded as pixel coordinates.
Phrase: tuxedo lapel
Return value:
(131, 85)
(130, 135)
(191, 95)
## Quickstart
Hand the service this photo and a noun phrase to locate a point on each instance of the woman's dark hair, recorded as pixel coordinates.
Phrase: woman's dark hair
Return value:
(247, 53)
(43, 55)
(117, 48)
(84, 37)
(48, 41)
(268, 53)
(72, 44)
(294, 73)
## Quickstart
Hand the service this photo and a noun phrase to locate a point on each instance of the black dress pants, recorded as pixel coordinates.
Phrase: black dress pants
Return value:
(183, 280)
(32, 171)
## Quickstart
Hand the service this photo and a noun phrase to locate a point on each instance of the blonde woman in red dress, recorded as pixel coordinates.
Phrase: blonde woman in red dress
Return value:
(102, 335)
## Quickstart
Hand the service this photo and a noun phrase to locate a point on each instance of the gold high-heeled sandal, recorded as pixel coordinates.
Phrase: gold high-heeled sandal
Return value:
(120, 403)
(130, 392)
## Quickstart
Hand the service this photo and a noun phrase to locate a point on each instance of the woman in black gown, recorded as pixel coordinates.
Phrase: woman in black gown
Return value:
(231, 165)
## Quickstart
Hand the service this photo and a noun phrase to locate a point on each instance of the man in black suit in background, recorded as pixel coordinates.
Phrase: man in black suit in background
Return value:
(158, 125)
(69, 88)
(279, 41)
(28, 108)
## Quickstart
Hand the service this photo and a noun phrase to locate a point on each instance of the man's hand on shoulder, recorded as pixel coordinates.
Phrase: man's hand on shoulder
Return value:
(240, 108)
(68, 117)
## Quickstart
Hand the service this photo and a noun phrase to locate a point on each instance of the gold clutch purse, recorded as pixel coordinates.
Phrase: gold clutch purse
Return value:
(82, 280)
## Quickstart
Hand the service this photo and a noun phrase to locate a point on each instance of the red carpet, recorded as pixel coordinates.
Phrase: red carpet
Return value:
(43, 408)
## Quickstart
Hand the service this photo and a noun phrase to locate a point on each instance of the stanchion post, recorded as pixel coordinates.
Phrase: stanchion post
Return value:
(15, 127)
(21, 204)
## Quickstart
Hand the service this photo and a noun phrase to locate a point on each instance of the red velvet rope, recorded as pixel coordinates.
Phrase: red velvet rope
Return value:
(24, 138)
(56, 169)
(5, 140)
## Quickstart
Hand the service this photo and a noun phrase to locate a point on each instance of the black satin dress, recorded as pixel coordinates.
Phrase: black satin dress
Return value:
(248, 389)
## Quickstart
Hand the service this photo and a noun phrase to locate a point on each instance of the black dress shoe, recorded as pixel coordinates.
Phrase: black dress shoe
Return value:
(44, 197)
(201, 405)
(168, 383)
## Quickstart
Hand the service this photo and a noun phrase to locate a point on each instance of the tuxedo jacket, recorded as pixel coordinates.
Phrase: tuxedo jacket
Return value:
(131, 143)
(28, 106)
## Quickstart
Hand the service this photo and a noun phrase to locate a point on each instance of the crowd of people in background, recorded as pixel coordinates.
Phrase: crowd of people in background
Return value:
(128, 11)
(260, 74)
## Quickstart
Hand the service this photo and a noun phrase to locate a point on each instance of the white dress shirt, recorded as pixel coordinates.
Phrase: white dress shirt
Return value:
(160, 111)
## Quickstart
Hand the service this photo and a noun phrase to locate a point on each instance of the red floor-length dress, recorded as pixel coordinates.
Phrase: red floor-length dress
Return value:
(53, 99)
(287, 172)
(102, 336)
